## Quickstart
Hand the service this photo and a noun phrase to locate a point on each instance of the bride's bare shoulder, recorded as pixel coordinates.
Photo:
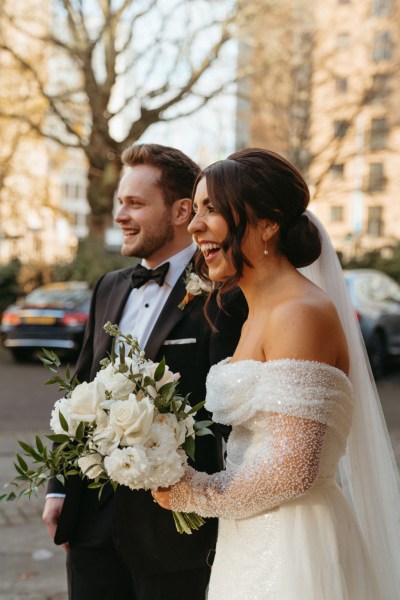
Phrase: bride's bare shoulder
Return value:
(304, 326)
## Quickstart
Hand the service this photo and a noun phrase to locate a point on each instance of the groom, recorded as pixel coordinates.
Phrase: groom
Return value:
(124, 546)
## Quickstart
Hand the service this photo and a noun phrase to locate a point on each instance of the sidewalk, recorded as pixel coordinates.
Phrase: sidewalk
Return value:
(31, 566)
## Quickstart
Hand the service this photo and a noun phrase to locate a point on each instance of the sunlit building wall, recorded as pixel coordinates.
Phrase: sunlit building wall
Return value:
(334, 110)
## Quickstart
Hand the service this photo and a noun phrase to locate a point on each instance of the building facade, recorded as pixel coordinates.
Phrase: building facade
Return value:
(331, 104)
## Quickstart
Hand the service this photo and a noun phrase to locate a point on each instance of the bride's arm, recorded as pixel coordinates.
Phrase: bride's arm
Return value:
(286, 470)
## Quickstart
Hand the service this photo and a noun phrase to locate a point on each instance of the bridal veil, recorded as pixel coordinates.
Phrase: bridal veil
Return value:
(368, 471)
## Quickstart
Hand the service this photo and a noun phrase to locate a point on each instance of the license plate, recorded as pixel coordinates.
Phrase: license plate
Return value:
(39, 320)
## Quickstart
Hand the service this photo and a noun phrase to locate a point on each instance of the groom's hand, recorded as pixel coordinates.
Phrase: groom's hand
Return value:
(51, 514)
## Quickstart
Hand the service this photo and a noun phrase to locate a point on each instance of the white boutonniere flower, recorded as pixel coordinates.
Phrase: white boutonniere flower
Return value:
(195, 286)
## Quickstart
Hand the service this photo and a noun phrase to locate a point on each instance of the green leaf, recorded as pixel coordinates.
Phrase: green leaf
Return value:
(196, 408)
(39, 444)
(201, 424)
(52, 356)
(63, 421)
(58, 438)
(25, 446)
(147, 381)
(160, 370)
(189, 447)
(168, 390)
(204, 431)
(80, 430)
(113, 354)
(22, 462)
(20, 471)
(94, 485)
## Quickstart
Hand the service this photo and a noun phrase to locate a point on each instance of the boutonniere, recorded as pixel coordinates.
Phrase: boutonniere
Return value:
(194, 287)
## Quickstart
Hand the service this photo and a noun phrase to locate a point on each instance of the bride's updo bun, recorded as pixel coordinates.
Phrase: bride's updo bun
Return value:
(300, 242)
(255, 184)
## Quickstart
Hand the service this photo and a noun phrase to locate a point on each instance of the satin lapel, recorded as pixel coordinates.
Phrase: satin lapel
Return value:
(114, 306)
(169, 317)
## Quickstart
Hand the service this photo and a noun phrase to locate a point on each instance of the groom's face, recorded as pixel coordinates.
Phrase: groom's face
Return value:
(144, 218)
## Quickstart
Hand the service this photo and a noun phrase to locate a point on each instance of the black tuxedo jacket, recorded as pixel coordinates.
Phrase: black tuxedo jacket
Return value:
(146, 533)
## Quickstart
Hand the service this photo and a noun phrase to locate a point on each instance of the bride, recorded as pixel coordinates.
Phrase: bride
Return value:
(309, 502)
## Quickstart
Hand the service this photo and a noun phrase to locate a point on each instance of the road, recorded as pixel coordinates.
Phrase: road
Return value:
(31, 567)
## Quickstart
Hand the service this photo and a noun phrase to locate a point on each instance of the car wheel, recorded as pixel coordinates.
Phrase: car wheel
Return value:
(378, 354)
(21, 354)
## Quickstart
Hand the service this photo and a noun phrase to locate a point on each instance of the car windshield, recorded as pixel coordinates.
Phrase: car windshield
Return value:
(377, 288)
(64, 297)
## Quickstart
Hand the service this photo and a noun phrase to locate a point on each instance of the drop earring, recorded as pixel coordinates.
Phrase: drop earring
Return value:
(265, 248)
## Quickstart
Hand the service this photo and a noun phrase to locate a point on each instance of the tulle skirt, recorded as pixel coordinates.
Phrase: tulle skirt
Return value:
(307, 549)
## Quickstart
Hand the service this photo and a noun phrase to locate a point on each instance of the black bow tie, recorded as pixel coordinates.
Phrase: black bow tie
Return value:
(141, 275)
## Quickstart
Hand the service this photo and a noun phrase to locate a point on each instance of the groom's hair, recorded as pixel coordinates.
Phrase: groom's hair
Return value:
(178, 172)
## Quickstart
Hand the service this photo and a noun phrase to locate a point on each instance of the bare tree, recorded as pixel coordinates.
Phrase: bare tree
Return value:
(113, 69)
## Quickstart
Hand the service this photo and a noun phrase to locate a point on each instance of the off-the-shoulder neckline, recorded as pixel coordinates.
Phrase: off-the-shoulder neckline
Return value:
(227, 361)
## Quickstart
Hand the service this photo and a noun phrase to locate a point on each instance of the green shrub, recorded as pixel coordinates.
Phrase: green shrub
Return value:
(9, 286)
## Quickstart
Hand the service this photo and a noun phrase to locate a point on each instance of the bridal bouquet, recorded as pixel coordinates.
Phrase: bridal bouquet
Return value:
(127, 427)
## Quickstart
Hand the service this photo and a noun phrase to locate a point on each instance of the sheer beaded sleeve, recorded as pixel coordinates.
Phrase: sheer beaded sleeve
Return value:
(282, 413)
(288, 470)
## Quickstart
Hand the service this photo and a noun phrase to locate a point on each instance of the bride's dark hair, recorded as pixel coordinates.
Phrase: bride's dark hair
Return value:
(255, 184)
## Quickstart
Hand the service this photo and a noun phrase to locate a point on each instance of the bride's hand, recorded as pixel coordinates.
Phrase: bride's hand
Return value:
(161, 496)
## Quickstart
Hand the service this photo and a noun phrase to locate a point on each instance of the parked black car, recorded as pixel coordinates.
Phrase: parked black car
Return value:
(376, 300)
(52, 316)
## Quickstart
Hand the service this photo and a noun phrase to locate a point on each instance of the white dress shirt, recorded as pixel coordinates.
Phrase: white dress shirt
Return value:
(145, 304)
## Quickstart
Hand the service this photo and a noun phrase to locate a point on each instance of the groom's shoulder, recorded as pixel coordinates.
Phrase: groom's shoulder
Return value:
(112, 277)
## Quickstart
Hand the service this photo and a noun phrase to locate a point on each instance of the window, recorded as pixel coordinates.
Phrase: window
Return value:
(382, 49)
(380, 87)
(379, 132)
(375, 222)
(340, 127)
(337, 171)
(377, 180)
(73, 190)
(381, 8)
(341, 84)
(343, 40)
(337, 214)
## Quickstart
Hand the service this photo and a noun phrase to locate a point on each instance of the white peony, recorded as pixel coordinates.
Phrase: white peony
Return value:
(134, 417)
(90, 465)
(168, 376)
(85, 400)
(118, 383)
(127, 466)
(181, 429)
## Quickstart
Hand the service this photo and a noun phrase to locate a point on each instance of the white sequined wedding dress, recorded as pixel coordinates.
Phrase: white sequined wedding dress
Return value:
(286, 531)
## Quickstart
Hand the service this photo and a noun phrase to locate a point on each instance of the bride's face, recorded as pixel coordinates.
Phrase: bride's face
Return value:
(209, 229)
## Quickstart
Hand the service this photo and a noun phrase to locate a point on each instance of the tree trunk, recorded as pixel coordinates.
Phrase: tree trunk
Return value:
(102, 186)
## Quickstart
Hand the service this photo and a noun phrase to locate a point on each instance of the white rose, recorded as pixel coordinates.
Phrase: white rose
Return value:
(107, 438)
(117, 383)
(62, 406)
(85, 400)
(90, 465)
(134, 417)
(196, 285)
(127, 466)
